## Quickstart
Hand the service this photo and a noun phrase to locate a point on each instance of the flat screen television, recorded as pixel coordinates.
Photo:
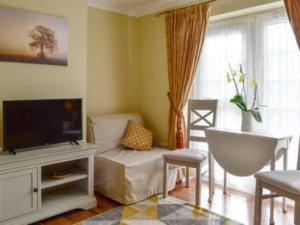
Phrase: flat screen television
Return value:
(33, 123)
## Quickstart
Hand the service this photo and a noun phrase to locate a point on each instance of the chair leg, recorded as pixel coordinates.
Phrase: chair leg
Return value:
(285, 163)
(187, 177)
(165, 179)
(273, 167)
(272, 211)
(211, 177)
(198, 185)
(297, 212)
(258, 203)
(225, 183)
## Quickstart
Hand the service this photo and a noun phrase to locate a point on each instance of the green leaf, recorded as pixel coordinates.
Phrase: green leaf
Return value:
(257, 116)
(239, 101)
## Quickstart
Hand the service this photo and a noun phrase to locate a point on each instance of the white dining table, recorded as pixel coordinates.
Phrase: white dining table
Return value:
(246, 153)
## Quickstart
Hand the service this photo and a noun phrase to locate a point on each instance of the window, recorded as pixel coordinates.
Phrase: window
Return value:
(281, 76)
(266, 47)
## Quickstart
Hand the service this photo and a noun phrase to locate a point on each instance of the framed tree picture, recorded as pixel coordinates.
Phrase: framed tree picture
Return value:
(30, 37)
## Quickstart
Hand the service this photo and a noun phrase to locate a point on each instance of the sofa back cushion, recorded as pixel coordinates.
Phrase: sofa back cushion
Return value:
(107, 131)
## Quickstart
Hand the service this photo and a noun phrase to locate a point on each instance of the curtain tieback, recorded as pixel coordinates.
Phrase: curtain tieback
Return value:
(179, 113)
(180, 143)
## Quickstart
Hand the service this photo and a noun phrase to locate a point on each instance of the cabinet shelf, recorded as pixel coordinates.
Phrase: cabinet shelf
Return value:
(62, 195)
(48, 181)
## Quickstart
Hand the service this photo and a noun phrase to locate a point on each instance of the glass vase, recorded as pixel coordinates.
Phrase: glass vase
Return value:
(247, 121)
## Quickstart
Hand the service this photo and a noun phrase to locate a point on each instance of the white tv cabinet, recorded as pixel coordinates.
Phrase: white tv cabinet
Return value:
(27, 192)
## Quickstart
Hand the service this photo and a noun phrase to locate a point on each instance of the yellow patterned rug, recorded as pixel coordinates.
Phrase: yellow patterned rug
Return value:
(158, 211)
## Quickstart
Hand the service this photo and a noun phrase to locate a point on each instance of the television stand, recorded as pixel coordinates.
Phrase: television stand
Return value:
(45, 182)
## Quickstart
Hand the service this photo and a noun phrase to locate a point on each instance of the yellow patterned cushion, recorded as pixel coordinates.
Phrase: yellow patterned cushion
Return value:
(137, 137)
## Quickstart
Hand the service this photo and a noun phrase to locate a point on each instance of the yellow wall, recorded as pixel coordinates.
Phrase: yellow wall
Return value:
(112, 67)
(33, 81)
(123, 68)
(153, 86)
(127, 67)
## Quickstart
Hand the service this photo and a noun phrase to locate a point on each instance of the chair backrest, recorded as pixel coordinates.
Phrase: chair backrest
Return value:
(201, 115)
(241, 154)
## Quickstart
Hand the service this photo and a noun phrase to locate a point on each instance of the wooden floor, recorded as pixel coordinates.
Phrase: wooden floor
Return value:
(234, 205)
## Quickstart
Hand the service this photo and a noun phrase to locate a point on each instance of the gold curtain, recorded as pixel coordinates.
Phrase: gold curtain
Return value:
(186, 29)
(293, 10)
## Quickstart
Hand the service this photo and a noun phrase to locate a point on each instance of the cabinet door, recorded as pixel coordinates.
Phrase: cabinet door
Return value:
(18, 193)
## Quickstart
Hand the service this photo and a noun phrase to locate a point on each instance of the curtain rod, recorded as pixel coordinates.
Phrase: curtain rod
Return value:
(184, 7)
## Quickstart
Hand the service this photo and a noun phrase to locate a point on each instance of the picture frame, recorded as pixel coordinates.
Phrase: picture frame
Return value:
(31, 37)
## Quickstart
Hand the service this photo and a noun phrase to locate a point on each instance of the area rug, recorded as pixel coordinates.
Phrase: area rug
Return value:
(158, 211)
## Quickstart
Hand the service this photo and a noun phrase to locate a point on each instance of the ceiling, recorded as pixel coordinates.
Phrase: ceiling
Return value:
(137, 7)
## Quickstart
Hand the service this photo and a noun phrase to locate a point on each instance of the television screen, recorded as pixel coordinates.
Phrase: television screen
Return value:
(41, 122)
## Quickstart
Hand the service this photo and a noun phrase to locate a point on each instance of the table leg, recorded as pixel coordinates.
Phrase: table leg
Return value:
(225, 183)
(273, 162)
(187, 177)
(285, 164)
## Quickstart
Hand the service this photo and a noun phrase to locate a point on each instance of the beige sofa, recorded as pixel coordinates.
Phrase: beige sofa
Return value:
(127, 176)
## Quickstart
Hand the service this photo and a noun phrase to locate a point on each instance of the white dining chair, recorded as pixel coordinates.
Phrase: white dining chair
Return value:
(284, 183)
(201, 115)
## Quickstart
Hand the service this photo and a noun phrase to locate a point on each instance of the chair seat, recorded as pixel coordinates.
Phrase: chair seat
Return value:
(287, 180)
(187, 156)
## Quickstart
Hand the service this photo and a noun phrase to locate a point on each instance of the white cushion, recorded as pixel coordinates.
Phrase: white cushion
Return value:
(187, 155)
(288, 180)
(108, 130)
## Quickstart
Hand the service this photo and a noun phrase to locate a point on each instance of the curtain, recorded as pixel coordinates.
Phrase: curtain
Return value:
(293, 10)
(185, 30)
(265, 45)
